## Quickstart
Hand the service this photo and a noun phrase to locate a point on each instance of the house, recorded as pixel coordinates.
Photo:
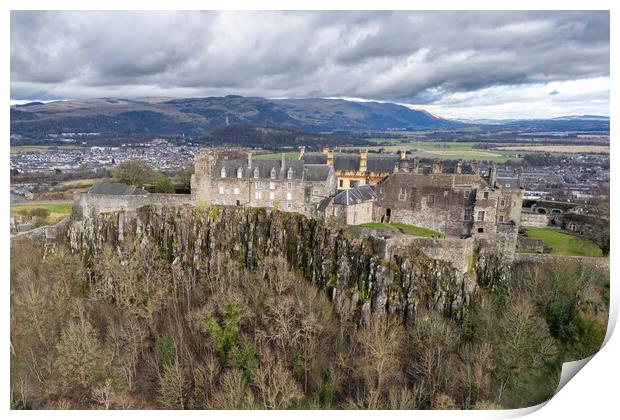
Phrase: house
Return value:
(354, 206)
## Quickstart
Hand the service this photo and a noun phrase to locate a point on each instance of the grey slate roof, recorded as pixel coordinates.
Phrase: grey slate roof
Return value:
(300, 171)
(351, 162)
(508, 183)
(116, 189)
(355, 195)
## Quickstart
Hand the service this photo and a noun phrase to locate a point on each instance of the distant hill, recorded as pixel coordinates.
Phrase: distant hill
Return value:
(200, 116)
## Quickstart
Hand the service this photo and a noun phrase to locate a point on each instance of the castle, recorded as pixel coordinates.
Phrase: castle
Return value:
(468, 210)
(378, 189)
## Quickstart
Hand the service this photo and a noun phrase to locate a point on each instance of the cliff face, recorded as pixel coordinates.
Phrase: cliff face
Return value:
(347, 267)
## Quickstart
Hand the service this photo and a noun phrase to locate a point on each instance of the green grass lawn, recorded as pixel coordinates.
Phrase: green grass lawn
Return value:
(564, 244)
(57, 211)
(408, 229)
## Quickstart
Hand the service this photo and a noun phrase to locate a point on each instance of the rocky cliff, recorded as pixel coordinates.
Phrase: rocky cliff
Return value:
(359, 282)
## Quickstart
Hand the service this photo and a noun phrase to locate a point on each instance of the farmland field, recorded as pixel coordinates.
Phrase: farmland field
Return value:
(559, 148)
(29, 149)
(447, 150)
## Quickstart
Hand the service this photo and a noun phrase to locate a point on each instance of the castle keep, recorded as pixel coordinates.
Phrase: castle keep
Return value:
(288, 185)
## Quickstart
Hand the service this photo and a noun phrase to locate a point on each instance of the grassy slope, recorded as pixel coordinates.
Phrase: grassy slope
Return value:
(563, 243)
(57, 210)
(408, 229)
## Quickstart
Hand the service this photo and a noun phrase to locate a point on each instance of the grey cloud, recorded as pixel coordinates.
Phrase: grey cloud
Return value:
(400, 56)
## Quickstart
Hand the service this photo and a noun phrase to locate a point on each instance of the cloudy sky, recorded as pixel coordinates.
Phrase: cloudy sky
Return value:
(454, 64)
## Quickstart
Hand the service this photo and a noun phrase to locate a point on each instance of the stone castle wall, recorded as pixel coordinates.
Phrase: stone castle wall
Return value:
(89, 205)
(534, 220)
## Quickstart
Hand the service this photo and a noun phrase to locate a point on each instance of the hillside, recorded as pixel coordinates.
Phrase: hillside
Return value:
(199, 116)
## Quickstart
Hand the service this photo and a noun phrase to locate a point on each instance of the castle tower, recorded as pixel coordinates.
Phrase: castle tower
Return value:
(363, 160)
(330, 157)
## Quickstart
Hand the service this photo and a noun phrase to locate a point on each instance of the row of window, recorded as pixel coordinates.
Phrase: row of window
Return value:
(273, 173)
(480, 216)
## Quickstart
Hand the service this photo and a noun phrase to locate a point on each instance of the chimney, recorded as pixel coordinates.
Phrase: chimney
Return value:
(283, 166)
(363, 160)
(474, 169)
(249, 159)
(437, 167)
(403, 154)
(492, 176)
(458, 169)
(302, 150)
(330, 157)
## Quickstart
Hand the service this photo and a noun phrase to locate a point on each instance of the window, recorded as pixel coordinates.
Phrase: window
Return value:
(256, 173)
(258, 195)
(486, 195)
(340, 183)
(236, 191)
(289, 185)
(289, 175)
(273, 173)
(402, 194)
(272, 196)
(272, 185)
(466, 194)
(353, 184)
(501, 218)
(414, 196)
(467, 215)
(289, 196)
(257, 186)
(289, 205)
(239, 172)
(315, 192)
(221, 190)
(481, 216)
(430, 200)
(223, 172)
(445, 193)
(502, 203)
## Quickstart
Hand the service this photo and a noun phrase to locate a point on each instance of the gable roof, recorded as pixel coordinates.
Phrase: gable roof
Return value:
(355, 195)
(116, 189)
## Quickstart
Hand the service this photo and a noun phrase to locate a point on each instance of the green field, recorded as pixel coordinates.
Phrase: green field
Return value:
(276, 156)
(446, 150)
(83, 182)
(564, 244)
(29, 149)
(408, 229)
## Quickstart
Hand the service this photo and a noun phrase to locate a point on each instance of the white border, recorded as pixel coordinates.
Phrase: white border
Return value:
(592, 394)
